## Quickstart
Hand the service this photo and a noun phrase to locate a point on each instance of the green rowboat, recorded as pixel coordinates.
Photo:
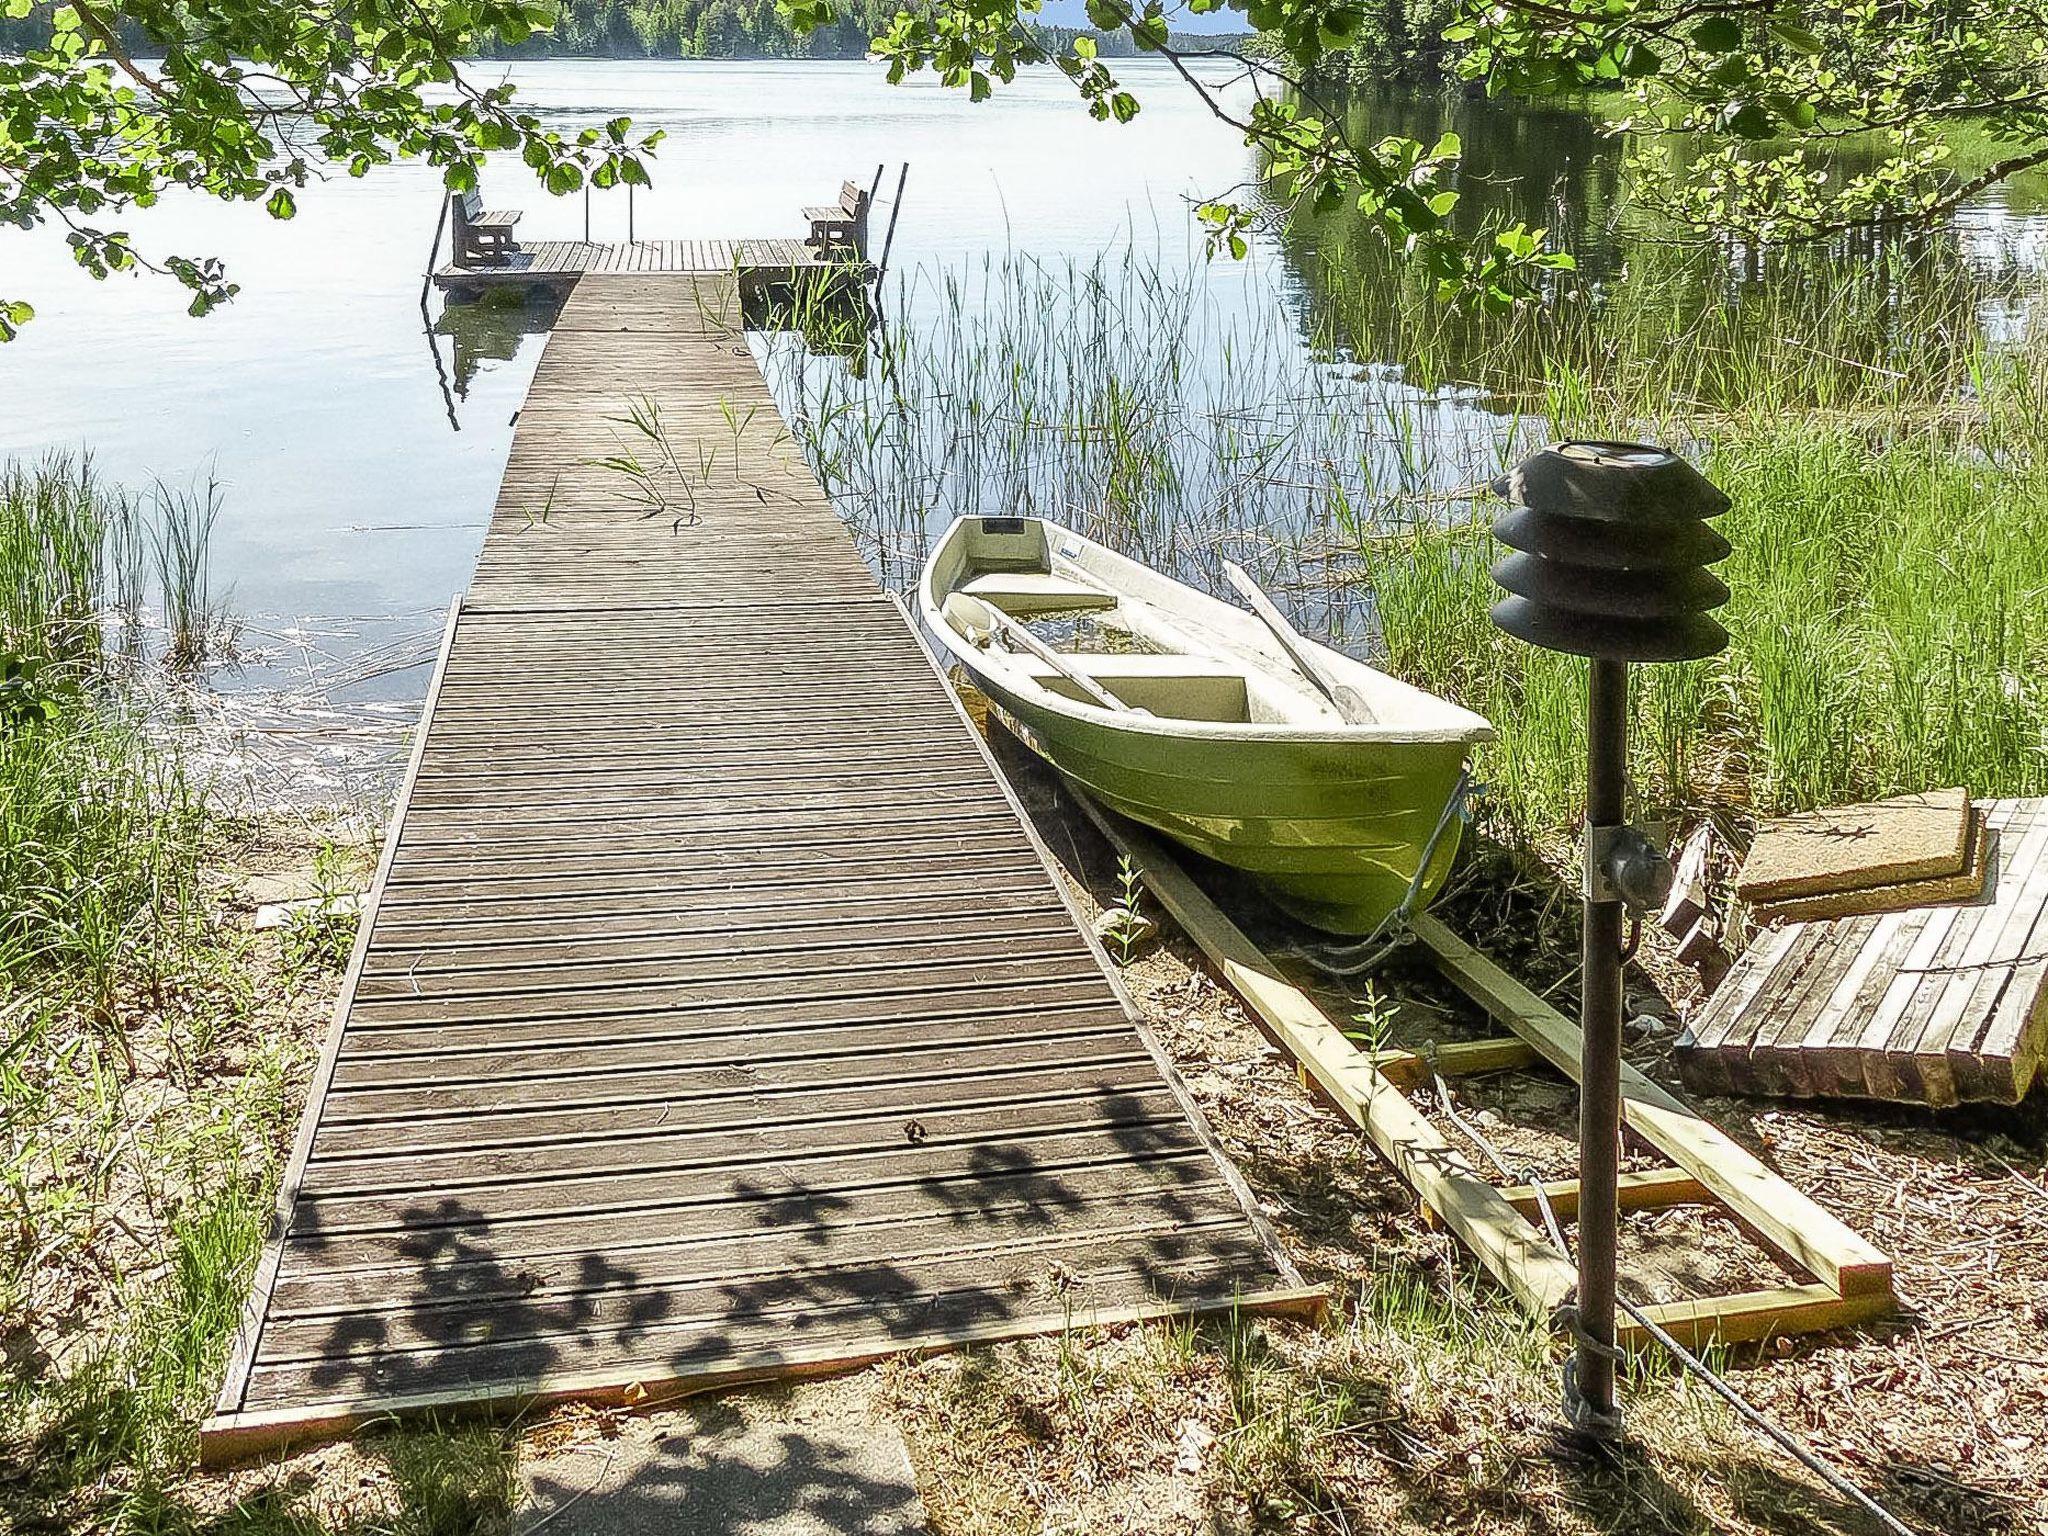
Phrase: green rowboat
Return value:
(1320, 777)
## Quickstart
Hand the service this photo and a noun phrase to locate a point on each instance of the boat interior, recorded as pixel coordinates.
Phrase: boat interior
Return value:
(1164, 665)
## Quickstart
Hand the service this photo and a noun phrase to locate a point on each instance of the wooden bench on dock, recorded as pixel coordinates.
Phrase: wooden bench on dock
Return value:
(482, 238)
(841, 226)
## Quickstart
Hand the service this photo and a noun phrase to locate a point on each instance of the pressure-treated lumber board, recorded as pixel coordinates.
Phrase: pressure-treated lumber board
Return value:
(1748, 1316)
(1651, 1190)
(1499, 1224)
(1454, 1058)
(1799, 1229)
(1520, 1257)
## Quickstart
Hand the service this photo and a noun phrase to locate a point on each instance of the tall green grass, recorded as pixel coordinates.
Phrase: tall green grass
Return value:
(126, 1229)
(1889, 624)
(100, 827)
(1878, 424)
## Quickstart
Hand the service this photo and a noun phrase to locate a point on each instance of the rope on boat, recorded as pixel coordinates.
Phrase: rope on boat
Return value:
(1392, 931)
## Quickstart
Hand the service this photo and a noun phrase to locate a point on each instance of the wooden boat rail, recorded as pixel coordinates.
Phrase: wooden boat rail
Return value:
(1851, 1280)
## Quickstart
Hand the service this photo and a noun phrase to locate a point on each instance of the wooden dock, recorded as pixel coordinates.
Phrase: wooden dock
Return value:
(715, 1015)
(558, 264)
(1934, 1005)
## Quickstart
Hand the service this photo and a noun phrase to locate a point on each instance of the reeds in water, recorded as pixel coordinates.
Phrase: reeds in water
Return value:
(1877, 424)
(82, 564)
(99, 826)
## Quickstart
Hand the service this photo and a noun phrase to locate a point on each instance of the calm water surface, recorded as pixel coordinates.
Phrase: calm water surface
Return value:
(353, 506)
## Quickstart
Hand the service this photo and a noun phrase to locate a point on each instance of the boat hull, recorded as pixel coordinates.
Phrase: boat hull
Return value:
(1332, 832)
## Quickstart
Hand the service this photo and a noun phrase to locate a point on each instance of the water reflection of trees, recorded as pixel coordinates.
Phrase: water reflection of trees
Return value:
(1874, 299)
(491, 331)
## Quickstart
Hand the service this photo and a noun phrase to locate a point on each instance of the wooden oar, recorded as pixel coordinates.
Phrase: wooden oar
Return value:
(1347, 701)
(972, 613)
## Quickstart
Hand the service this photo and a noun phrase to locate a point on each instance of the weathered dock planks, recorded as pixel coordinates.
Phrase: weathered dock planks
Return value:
(1935, 1005)
(559, 263)
(715, 1015)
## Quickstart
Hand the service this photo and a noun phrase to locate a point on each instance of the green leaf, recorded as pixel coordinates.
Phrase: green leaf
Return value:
(1639, 62)
(1718, 34)
(1797, 38)
(1752, 120)
(1800, 114)
(281, 204)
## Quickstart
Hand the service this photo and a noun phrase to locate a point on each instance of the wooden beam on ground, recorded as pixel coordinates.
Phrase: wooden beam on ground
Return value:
(1748, 1316)
(228, 1438)
(1653, 1190)
(1791, 1223)
(1456, 1058)
(1519, 1256)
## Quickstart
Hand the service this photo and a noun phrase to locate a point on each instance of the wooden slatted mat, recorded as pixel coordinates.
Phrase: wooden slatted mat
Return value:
(1934, 1005)
(715, 1015)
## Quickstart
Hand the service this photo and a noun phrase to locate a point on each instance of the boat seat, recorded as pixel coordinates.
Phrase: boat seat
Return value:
(1178, 687)
(1026, 592)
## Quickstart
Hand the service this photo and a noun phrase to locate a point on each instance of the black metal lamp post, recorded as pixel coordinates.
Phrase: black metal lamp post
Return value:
(1611, 545)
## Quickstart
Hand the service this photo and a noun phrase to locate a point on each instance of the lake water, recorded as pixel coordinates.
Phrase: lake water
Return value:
(353, 507)
(356, 488)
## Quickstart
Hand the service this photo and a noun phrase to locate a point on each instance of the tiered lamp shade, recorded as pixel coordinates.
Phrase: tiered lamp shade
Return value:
(1611, 547)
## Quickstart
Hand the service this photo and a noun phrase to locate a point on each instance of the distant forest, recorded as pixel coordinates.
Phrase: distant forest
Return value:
(697, 29)
(1397, 41)
(637, 29)
(727, 29)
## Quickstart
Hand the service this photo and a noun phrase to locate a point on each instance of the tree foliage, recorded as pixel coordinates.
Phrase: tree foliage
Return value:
(1739, 108)
(250, 100)
(696, 29)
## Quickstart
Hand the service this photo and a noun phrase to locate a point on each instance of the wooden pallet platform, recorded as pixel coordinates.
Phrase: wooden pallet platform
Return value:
(1936, 1005)
(557, 264)
(714, 1015)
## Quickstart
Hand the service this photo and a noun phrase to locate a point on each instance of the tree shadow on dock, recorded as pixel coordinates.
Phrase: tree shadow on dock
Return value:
(776, 1269)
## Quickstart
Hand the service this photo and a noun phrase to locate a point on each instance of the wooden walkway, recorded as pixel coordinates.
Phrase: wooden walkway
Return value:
(559, 263)
(1934, 1005)
(715, 1016)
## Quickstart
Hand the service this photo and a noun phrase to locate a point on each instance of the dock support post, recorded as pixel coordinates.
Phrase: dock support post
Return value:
(889, 235)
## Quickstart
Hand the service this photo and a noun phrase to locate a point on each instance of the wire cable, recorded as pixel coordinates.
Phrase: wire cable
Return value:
(1719, 1385)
